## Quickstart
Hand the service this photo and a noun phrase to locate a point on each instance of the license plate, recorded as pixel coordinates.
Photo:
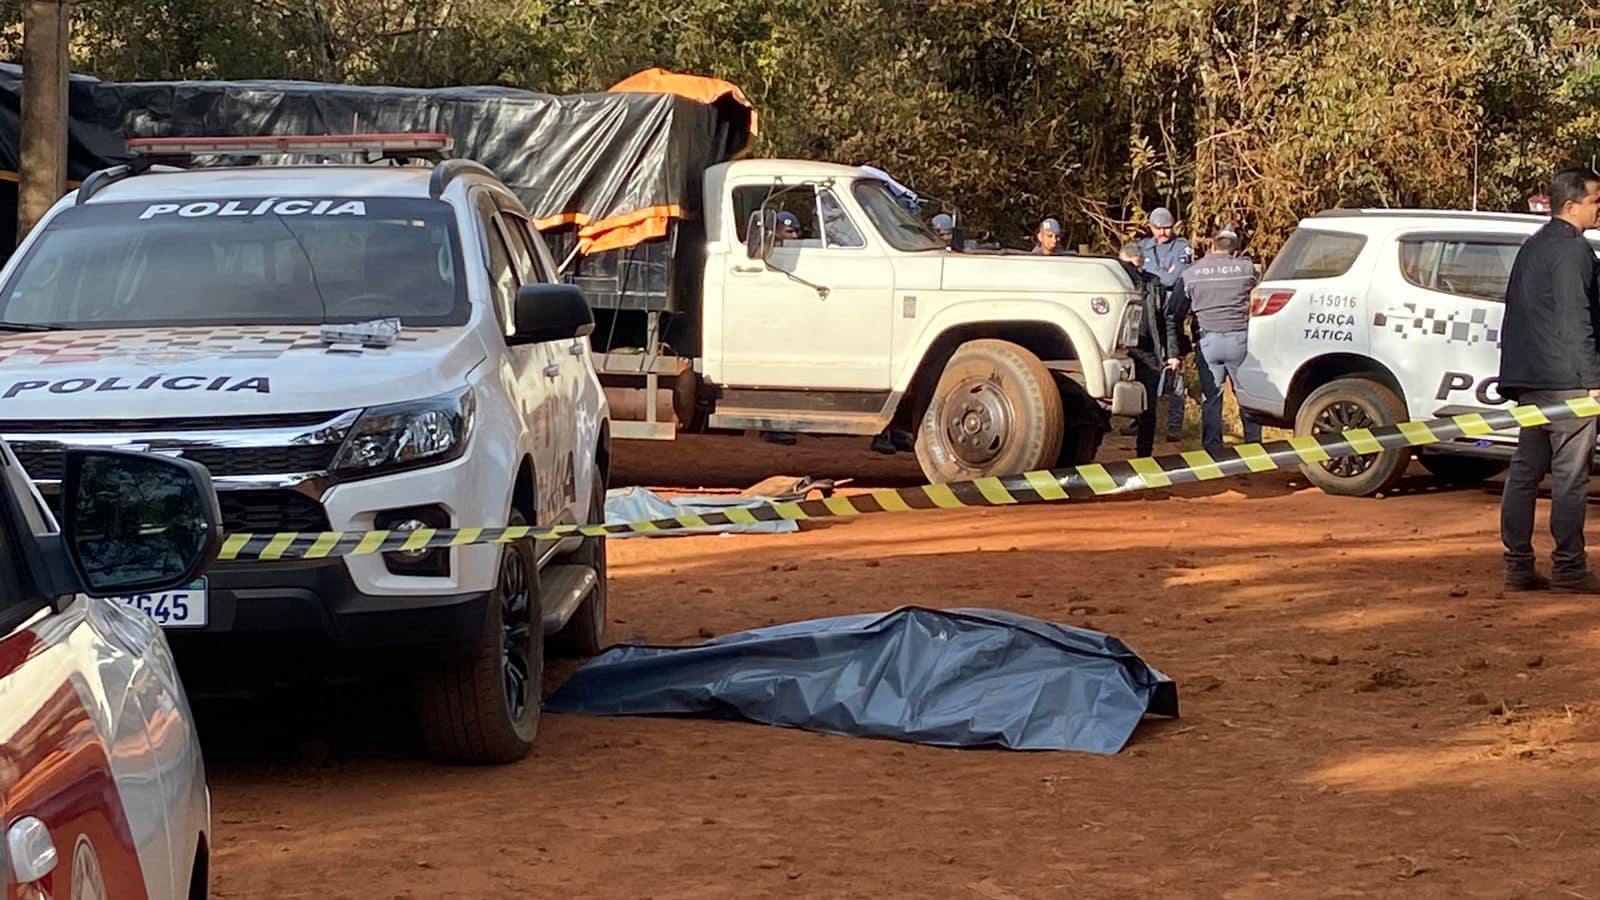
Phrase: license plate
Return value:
(182, 608)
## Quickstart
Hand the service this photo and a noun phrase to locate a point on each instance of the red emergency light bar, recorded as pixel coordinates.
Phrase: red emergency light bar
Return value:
(427, 142)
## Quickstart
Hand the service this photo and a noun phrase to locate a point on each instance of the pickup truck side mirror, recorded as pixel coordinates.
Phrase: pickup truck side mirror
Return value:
(137, 522)
(762, 234)
(550, 312)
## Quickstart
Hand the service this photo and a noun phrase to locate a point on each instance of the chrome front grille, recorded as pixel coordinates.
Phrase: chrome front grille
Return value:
(293, 454)
(300, 421)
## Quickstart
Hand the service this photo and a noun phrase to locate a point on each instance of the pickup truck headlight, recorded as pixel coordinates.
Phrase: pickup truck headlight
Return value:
(407, 435)
(1129, 336)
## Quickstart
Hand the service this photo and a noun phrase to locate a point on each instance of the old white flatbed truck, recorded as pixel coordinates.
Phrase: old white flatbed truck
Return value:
(998, 362)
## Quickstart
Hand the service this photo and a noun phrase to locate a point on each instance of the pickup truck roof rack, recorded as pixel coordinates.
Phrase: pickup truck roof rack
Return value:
(429, 146)
(451, 169)
(99, 178)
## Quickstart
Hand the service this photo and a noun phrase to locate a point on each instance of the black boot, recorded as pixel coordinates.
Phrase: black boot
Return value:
(1527, 579)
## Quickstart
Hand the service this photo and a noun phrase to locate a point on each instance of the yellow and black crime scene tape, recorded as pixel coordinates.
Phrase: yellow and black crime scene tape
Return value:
(1074, 483)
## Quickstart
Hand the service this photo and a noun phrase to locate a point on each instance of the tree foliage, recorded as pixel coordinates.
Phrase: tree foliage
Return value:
(1243, 113)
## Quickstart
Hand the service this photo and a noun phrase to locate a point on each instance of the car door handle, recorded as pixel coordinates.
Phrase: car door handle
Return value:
(576, 349)
(552, 370)
(748, 270)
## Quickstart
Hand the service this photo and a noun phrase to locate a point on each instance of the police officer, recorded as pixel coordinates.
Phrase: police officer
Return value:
(1166, 256)
(1150, 353)
(1047, 241)
(944, 225)
(788, 228)
(1215, 292)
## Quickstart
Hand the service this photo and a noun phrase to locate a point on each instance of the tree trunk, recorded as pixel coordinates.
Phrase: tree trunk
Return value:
(42, 166)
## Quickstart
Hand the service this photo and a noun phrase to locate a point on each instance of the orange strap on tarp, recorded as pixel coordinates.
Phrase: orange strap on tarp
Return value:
(614, 232)
(695, 87)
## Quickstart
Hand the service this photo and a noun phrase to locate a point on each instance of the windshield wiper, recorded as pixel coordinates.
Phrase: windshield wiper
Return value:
(26, 326)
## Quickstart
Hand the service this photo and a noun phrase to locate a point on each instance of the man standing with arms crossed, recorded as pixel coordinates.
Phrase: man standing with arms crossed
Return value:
(1548, 354)
(1166, 256)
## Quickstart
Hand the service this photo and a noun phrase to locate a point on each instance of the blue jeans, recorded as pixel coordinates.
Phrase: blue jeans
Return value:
(1220, 353)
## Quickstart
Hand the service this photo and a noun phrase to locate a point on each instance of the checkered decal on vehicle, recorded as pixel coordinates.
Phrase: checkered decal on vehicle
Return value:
(175, 344)
(1453, 326)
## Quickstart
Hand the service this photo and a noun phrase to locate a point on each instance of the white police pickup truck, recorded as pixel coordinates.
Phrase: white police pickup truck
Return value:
(1371, 317)
(346, 348)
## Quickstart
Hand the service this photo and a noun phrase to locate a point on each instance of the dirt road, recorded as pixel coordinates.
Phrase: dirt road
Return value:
(1364, 715)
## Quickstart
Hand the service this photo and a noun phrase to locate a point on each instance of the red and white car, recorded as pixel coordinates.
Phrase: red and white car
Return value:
(102, 788)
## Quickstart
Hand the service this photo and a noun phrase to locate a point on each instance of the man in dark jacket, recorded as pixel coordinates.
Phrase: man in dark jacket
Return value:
(1150, 355)
(1548, 354)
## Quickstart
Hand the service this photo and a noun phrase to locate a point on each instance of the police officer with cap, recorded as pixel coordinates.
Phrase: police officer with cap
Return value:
(1215, 293)
(1047, 241)
(788, 227)
(945, 227)
(1166, 256)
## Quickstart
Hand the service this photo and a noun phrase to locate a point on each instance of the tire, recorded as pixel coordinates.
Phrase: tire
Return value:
(1085, 424)
(1353, 403)
(1453, 469)
(585, 633)
(995, 411)
(470, 712)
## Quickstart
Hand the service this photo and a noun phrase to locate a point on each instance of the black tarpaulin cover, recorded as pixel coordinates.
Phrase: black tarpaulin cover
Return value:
(954, 678)
(619, 165)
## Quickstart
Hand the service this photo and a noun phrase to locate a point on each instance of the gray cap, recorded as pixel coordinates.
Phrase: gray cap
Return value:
(1161, 217)
(943, 222)
(1050, 225)
(1228, 233)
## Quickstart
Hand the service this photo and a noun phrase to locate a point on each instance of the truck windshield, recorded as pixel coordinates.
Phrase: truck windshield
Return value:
(240, 261)
(898, 225)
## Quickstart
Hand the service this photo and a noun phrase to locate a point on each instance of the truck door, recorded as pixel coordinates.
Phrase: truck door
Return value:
(819, 313)
(531, 369)
(570, 357)
(1438, 323)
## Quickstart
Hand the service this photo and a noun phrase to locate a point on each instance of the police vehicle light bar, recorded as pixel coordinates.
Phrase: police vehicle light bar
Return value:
(307, 143)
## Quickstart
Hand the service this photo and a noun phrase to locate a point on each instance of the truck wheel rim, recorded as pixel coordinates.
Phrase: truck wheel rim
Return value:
(977, 420)
(515, 626)
(1335, 419)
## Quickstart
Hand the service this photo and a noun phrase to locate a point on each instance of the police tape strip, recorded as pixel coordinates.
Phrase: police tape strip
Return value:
(1075, 483)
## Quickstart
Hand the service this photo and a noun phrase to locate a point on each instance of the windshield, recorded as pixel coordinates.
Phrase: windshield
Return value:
(241, 261)
(898, 225)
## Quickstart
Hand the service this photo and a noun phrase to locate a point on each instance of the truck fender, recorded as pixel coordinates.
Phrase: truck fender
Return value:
(1049, 330)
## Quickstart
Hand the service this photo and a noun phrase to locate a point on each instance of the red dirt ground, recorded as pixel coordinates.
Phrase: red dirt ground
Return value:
(1364, 715)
